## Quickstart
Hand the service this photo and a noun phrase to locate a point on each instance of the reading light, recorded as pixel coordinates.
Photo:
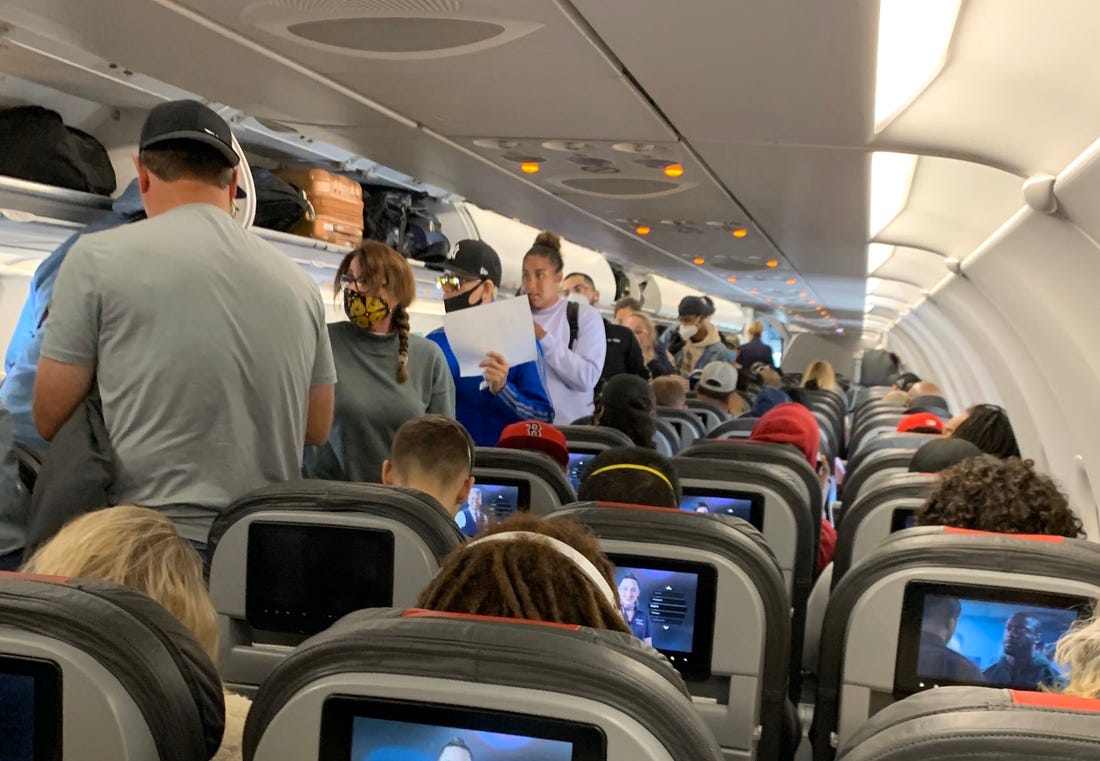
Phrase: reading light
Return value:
(732, 279)
(912, 48)
(642, 229)
(812, 302)
(773, 263)
(530, 167)
(674, 170)
(891, 177)
(740, 232)
(802, 293)
(877, 255)
(790, 281)
(753, 291)
(698, 260)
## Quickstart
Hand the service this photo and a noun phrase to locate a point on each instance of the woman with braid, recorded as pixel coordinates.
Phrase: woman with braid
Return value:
(385, 376)
(531, 568)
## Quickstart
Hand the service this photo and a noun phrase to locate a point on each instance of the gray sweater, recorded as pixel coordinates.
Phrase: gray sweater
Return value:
(371, 405)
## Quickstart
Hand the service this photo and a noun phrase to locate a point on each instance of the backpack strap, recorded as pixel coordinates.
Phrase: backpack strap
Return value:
(572, 314)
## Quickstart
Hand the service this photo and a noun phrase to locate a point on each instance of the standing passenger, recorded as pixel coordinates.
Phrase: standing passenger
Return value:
(624, 353)
(387, 375)
(755, 350)
(658, 360)
(702, 343)
(572, 338)
(503, 395)
(207, 345)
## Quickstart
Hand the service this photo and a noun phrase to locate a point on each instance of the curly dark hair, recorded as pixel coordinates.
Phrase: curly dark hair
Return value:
(527, 579)
(1005, 496)
(989, 428)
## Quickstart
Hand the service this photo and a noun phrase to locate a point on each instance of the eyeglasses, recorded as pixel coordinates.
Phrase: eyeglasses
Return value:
(347, 281)
(451, 281)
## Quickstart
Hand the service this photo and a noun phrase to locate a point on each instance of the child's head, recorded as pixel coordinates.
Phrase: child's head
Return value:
(434, 454)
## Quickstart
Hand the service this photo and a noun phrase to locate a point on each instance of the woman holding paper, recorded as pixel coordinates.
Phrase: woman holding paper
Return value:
(501, 395)
(572, 338)
(385, 375)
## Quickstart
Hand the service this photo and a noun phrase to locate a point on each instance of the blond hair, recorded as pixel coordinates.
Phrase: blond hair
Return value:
(822, 372)
(1079, 650)
(756, 329)
(138, 548)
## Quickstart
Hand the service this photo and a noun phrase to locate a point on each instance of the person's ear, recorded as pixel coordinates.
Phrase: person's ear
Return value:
(142, 175)
(464, 491)
(388, 475)
(233, 186)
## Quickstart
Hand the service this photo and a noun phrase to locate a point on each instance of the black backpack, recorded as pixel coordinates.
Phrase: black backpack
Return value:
(37, 146)
(279, 205)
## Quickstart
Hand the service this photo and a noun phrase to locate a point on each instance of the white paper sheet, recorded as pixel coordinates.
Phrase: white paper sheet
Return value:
(505, 327)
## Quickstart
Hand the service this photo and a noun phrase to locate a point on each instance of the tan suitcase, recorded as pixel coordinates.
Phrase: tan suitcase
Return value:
(337, 205)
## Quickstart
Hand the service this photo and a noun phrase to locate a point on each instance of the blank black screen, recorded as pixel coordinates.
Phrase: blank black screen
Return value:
(30, 710)
(303, 577)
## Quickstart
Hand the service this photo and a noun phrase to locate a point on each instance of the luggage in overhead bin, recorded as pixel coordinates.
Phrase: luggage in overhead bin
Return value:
(386, 216)
(36, 145)
(337, 205)
(279, 205)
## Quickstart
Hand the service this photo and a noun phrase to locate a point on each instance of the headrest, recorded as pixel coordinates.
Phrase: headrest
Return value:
(613, 668)
(537, 464)
(154, 657)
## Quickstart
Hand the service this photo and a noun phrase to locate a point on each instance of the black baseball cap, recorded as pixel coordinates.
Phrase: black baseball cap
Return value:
(473, 257)
(188, 120)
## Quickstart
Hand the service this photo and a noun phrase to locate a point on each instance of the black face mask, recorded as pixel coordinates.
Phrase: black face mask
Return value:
(459, 302)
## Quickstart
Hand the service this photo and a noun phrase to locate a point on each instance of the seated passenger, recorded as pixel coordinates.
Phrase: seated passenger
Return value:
(434, 454)
(904, 381)
(988, 427)
(387, 375)
(819, 376)
(766, 400)
(717, 386)
(140, 548)
(536, 436)
(940, 454)
(631, 475)
(896, 397)
(572, 337)
(657, 359)
(206, 344)
(936, 659)
(925, 396)
(502, 395)
(668, 391)
(793, 424)
(700, 342)
(628, 405)
(624, 352)
(1079, 651)
(530, 568)
(1004, 496)
(921, 422)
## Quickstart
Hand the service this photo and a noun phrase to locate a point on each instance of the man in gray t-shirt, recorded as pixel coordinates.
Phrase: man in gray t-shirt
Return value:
(208, 346)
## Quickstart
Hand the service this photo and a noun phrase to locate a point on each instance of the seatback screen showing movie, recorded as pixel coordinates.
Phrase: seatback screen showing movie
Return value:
(491, 502)
(669, 604)
(903, 518)
(366, 729)
(578, 462)
(748, 506)
(955, 634)
(30, 709)
(302, 577)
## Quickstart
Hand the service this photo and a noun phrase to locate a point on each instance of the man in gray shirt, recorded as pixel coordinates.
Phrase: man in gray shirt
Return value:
(208, 346)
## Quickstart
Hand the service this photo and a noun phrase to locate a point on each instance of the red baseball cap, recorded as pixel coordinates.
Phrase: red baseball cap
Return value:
(534, 434)
(924, 420)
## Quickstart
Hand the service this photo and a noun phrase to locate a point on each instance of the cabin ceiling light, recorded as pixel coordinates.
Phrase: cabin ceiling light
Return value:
(877, 255)
(891, 177)
(913, 39)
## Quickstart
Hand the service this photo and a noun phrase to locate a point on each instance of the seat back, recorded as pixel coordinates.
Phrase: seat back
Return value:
(286, 561)
(452, 675)
(709, 415)
(889, 440)
(883, 460)
(788, 524)
(92, 670)
(666, 439)
(740, 604)
(873, 425)
(688, 426)
(876, 514)
(737, 428)
(534, 481)
(886, 630)
(967, 723)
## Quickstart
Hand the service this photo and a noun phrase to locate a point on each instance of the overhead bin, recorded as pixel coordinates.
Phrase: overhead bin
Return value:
(512, 239)
(663, 296)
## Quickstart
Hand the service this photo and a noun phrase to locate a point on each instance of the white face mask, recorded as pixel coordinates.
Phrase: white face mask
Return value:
(687, 331)
(576, 298)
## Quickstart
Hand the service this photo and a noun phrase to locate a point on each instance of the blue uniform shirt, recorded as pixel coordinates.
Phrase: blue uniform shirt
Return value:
(640, 624)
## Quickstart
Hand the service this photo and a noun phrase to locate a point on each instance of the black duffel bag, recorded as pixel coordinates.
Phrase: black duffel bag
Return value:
(37, 146)
(279, 205)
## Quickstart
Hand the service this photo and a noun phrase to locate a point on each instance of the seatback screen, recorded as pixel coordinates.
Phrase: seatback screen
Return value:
(578, 462)
(669, 604)
(903, 518)
(30, 709)
(365, 729)
(302, 577)
(989, 636)
(491, 502)
(748, 506)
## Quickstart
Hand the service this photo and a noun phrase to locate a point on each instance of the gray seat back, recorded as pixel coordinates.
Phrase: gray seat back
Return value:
(737, 428)
(884, 459)
(709, 415)
(540, 475)
(689, 427)
(666, 439)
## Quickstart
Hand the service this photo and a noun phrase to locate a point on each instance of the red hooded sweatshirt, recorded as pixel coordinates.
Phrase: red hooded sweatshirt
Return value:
(791, 423)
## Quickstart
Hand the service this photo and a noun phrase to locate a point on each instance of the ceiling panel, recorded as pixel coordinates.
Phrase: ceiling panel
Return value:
(913, 265)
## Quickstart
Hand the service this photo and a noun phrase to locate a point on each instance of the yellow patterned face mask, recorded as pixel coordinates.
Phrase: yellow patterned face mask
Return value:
(364, 311)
